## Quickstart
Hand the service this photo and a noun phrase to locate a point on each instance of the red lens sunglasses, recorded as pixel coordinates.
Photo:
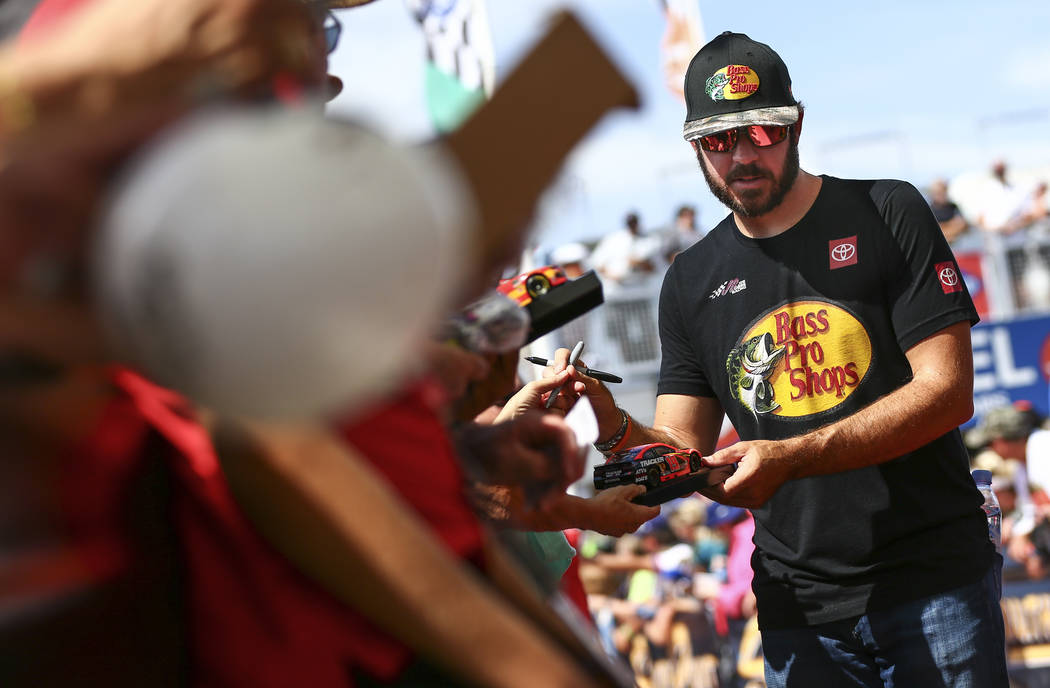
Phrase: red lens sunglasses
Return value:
(762, 135)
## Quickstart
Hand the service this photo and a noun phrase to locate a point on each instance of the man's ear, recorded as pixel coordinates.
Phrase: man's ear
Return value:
(692, 142)
(798, 124)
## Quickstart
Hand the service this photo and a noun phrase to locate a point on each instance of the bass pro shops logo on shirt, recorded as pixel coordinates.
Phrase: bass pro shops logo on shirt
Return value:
(799, 359)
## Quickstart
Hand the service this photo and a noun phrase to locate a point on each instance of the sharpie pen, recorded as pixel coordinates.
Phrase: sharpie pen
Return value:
(573, 357)
(590, 372)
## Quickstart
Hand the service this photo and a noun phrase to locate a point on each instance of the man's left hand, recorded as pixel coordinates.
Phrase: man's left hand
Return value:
(762, 467)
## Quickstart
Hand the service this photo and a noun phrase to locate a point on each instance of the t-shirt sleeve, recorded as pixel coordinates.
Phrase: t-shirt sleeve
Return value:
(926, 288)
(680, 370)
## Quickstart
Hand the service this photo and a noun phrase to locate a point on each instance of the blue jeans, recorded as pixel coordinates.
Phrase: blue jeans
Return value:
(952, 640)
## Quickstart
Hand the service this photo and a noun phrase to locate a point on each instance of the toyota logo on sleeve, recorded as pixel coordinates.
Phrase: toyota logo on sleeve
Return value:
(948, 275)
(842, 252)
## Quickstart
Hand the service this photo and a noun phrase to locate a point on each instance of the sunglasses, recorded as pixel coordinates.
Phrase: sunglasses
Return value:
(762, 135)
(332, 30)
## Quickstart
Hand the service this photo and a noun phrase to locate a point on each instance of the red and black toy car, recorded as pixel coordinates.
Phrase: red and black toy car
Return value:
(646, 464)
(528, 285)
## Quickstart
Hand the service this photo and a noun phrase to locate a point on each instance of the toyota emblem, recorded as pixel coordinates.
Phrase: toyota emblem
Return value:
(949, 277)
(843, 252)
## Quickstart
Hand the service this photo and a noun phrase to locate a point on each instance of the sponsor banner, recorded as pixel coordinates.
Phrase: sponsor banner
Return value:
(973, 276)
(1011, 362)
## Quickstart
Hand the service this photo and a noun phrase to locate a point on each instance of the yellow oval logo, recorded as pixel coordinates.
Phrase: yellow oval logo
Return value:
(802, 358)
(732, 82)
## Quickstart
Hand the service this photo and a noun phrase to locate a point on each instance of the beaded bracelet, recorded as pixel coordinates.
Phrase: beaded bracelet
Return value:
(612, 443)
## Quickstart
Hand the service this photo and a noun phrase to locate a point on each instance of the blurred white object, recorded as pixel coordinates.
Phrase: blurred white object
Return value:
(272, 263)
(582, 421)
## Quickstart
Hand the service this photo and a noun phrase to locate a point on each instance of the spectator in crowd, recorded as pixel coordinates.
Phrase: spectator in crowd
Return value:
(682, 233)
(1005, 431)
(572, 257)
(1004, 203)
(627, 256)
(1037, 209)
(734, 602)
(947, 214)
(268, 604)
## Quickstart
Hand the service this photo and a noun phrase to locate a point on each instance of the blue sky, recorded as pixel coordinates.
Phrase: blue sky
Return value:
(911, 90)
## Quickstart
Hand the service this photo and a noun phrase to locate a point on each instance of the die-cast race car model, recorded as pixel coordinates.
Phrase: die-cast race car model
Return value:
(646, 464)
(529, 285)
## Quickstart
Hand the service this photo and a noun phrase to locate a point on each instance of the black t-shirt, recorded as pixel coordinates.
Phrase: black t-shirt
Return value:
(805, 328)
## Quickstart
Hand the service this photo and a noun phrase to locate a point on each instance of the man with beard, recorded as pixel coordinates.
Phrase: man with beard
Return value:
(827, 319)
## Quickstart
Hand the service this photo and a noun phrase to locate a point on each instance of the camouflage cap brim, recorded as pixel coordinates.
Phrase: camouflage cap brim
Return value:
(785, 114)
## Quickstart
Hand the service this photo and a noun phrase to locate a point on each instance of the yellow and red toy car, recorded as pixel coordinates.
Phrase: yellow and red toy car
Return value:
(528, 285)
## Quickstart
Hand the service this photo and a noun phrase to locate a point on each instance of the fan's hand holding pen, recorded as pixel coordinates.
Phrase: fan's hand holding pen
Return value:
(605, 409)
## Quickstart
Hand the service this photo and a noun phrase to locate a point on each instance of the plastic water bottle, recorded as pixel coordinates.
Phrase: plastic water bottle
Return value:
(983, 479)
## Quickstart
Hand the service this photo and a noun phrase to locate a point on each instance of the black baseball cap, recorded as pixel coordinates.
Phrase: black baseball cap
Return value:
(733, 82)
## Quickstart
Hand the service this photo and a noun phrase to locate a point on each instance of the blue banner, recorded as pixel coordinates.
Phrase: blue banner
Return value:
(1011, 362)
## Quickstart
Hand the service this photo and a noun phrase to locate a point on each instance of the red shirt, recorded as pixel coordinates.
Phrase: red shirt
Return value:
(254, 619)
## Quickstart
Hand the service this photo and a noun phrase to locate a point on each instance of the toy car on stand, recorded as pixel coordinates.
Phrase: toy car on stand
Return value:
(529, 285)
(647, 464)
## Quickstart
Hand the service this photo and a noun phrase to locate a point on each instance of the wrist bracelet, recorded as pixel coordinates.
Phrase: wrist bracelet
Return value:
(608, 444)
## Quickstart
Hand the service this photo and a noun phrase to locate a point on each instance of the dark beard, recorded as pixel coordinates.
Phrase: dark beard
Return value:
(756, 207)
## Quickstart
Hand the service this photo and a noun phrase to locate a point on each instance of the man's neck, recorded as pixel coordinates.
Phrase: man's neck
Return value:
(793, 208)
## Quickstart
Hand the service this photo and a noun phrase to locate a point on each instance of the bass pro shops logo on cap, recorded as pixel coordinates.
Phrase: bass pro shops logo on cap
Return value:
(732, 82)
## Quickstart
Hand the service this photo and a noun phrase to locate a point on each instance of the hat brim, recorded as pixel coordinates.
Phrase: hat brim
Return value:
(786, 114)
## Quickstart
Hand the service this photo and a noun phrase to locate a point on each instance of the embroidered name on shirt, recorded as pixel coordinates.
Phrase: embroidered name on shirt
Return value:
(732, 286)
(949, 278)
(842, 252)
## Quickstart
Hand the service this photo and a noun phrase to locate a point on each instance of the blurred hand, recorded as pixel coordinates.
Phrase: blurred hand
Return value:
(454, 367)
(536, 451)
(613, 513)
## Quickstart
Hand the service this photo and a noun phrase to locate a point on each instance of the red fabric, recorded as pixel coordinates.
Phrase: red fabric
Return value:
(571, 584)
(255, 619)
(407, 442)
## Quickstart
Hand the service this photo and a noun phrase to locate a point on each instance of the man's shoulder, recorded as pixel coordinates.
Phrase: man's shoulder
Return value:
(878, 190)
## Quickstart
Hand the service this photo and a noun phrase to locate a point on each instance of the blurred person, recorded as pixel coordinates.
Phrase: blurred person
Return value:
(1005, 431)
(252, 586)
(572, 257)
(1037, 209)
(1002, 210)
(626, 256)
(733, 600)
(842, 358)
(947, 214)
(87, 82)
(682, 234)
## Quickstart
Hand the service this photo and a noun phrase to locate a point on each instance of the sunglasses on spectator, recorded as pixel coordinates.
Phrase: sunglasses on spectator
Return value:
(332, 30)
(761, 135)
